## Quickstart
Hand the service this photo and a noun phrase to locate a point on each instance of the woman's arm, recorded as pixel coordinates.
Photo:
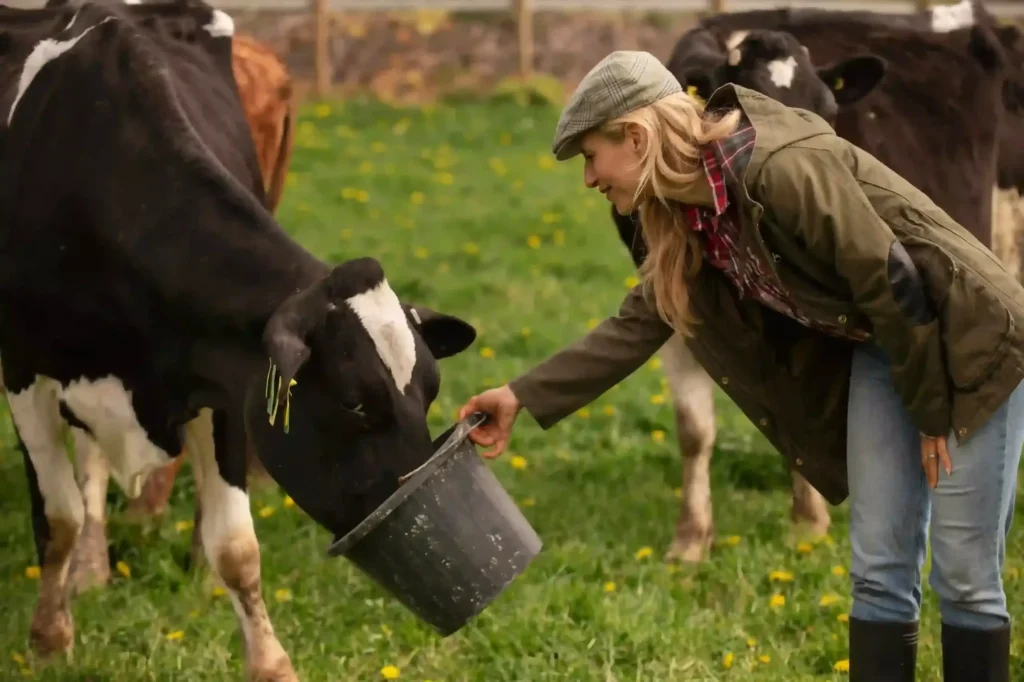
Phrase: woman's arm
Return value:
(812, 193)
(579, 374)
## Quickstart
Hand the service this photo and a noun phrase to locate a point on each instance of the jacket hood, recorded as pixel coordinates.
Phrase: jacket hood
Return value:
(776, 124)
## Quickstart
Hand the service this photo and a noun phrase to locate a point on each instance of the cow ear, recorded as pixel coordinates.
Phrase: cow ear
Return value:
(851, 80)
(445, 335)
(285, 336)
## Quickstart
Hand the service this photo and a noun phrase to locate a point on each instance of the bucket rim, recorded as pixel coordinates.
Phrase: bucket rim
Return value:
(418, 476)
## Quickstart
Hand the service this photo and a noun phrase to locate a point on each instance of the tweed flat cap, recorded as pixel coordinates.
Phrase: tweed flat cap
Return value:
(621, 82)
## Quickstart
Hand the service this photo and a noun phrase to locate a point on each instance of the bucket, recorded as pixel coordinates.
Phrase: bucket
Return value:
(449, 540)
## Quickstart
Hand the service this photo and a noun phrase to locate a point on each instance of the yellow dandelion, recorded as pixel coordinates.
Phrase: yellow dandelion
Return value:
(533, 241)
(444, 178)
(420, 252)
(558, 237)
(658, 399)
(525, 331)
(443, 267)
(498, 166)
(529, 502)
(1013, 573)
(385, 629)
(182, 526)
(643, 553)
(505, 139)
(751, 642)
(655, 363)
(545, 162)
(283, 594)
(829, 599)
(288, 502)
(658, 436)
(609, 586)
(678, 492)
(362, 196)
(322, 110)
(727, 660)
(731, 540)
(486, 352)
(518, 462)
(780, 577)
(400, 127)
(632, 281)
(379, 147)
(609, 410)
(389, 672)
(777, 600)
(435, 410)
(842, 666)
(472, 248)
(218, 592)
(33, 572)
(843, 618)
(549, 217)
(290, 179)
(175, 636)
(123, 569)
(266, 512)
(593, 322)
(838, 571)
(346, 233)
(17, 658)
(583, 413)
(804, 548)
(344, 131)
(194, 613)
(518, 185)
(563, 455)
(366, 167)
(349, 192)
(27, 672)
(416, 198)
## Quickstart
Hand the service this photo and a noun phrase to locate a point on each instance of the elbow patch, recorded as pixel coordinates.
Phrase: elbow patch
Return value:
(907, 287)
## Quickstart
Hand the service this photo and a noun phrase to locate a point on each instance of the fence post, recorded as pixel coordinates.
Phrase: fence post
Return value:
(321, 56)
(718, 6)
(524, 27)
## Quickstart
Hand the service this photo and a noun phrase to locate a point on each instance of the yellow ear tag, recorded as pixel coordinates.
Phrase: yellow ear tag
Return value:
(269, 391)
(839, 84)
(691, 90)
(288, 405)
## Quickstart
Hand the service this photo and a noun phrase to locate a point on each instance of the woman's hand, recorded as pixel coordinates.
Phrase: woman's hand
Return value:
(933, 451)
(503, 407)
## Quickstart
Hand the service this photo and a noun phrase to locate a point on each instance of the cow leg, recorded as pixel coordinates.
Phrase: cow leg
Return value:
(810, 510)
(52, 478)
(90, 563)
(693, 398)
(156, 492)
(218, 452)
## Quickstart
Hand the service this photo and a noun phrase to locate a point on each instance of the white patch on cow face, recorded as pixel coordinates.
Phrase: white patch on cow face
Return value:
(735, 38)
(221, 25)
(133, 2)
(384, 320)
(947, 18)
(45, 51)
(782, 71)
(105, 406)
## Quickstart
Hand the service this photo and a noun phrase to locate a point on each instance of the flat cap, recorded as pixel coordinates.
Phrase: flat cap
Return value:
(623, 81)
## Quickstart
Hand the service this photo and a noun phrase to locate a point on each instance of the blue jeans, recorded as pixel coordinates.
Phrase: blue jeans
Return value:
(891, 506)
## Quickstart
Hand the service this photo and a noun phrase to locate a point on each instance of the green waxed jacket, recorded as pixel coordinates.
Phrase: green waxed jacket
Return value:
(854, 244)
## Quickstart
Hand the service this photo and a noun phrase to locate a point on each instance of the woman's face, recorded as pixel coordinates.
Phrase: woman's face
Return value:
(613, 166)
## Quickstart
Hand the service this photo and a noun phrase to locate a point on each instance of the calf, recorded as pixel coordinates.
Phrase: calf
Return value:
(917, 68)
(149, 300)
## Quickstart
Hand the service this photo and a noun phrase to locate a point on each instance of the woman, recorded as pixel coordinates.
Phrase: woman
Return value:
(799, 267)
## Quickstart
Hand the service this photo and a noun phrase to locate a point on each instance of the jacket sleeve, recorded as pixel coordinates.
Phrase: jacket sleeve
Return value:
(579, 374)
(813, 193)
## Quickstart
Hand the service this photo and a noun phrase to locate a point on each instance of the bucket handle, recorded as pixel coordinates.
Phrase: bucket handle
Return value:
(460, 432)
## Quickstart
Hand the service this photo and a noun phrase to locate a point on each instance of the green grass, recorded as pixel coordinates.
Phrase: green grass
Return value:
(520, 248)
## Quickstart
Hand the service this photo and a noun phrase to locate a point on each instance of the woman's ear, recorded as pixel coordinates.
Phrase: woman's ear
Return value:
(636, 136)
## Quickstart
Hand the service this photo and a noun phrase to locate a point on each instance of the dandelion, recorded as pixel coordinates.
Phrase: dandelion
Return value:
(658, 399)
(550, 217)
(727, 660)
(518, 462)
(362, 196)
(400, 127)
(1013, 573)
(123, 569)
(764, 658)
(486, 352)
(751, 642)
(266, 512)
(780, 577)
(498, 166)
(678, 493)
(545, 162)
(435, 410)
(505, 139)
(420, 252)
(444, 178)
(175, 636)
(593, 322)
(218, 591)
(322, 110)
(558, 237)
(528, 502)
(563, 455)
(804, 548)
(842, 666)
(609, 410)
(366, 167)
(658, 436)
(632, 281)
(525, 331)
(609, 586)
(182, 526)
(346, 233)
(843, 618)
(731, 540)
(32, 572)
(829, 599)
(471, 248)
(194, 613)
(379, 147)
(533, 241)
(643, 553)
(583, 413)
(838, 571)
(416, 198)
(518, 185)
(288, 502)
(655, 363)
(777, 600)
(389, 672)
(283, 594)
(17, 658)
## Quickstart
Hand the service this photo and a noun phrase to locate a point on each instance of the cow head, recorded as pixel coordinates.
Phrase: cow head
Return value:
(365, 373)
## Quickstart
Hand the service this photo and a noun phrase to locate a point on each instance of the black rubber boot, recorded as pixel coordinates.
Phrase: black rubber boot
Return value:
(975, 655)
(882, 652)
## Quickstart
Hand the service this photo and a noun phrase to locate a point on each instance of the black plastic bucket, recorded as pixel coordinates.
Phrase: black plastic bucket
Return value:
(449, 541)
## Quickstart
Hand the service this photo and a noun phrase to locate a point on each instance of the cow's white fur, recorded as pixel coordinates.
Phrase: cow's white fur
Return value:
(947, 18)
(44, 52)
(782, 71)
(384, 320)
(93, 475)
(735, 38)
(221, 24)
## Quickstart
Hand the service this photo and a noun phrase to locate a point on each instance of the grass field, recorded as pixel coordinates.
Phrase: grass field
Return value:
(468, 214)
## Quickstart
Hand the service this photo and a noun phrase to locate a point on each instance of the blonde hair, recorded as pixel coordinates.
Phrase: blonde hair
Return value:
(676, 127)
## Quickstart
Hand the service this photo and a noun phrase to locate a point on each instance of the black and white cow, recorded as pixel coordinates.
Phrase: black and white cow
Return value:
(149, 300)
(944, 144)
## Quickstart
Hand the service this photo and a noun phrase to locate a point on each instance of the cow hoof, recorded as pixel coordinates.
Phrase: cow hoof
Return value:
(280, 670)
(52, 635)
(811, 528)
(90, 563)
(689, 548)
